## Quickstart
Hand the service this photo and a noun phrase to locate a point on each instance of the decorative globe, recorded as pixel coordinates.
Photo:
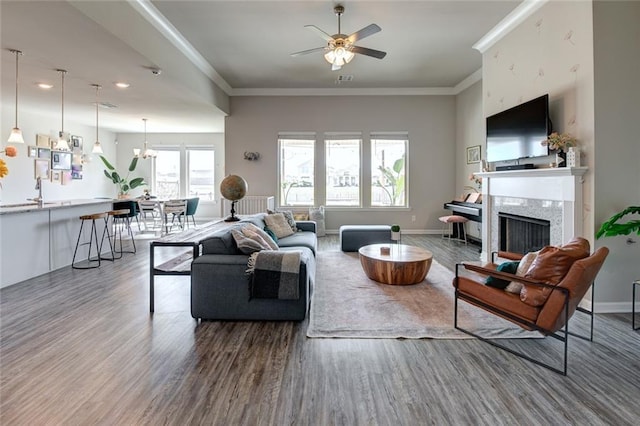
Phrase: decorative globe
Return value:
(233, 187)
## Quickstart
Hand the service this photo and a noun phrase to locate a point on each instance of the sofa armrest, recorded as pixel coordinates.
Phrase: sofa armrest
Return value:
(306, 225)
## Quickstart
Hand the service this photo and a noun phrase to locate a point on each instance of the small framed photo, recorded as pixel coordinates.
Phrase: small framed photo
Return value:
(60, 160)
(473, 154)
(32, 151)
(41, 168)
(56, 176)
(65, 177)
(43, 141)
(44, 153)
(76, 143)
(76, 171)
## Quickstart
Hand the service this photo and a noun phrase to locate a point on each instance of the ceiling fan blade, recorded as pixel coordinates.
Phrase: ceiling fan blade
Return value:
(326, 37)
(369, 52)
(304, 52)
(365, 32)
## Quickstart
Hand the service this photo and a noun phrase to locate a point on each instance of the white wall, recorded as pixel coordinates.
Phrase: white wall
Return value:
(470, 131)
(19, 184)
(128, 141)
(617, 134)
(255, 122)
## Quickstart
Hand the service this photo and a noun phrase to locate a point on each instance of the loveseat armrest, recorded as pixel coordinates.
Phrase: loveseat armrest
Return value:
(306, 225)
(505, 255)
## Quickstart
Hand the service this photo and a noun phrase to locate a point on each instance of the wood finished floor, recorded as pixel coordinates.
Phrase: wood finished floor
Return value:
(80, 348)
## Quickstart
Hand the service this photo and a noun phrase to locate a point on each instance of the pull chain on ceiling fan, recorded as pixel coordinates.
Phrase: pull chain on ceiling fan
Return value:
(340, 47)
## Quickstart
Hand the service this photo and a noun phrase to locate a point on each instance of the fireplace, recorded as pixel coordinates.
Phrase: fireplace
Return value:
(553, 195)
(522, 234)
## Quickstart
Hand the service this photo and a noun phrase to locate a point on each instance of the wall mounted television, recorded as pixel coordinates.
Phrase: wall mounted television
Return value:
(517, 132)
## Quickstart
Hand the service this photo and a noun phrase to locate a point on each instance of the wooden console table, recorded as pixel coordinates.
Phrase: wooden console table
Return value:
(180, 264)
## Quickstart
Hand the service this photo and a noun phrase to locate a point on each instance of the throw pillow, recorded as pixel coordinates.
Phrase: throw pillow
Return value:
(509, 267)
(251, 228)
(288, 214)
(550, 266)
(249, 244)
(523, 267)
(317, 215)
(278, 224)
(300, 216)
(271, 234)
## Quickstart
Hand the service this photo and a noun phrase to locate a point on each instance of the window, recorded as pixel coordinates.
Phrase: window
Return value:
(388, 171)
(167, 174)
(184, 173)
(201, 176)
(342, 162)
(297, 175)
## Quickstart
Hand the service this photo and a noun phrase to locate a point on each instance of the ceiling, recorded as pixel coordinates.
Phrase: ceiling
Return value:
(207, 50)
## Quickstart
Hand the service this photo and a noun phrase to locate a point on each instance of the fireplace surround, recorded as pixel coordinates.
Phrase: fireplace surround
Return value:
(553, 194)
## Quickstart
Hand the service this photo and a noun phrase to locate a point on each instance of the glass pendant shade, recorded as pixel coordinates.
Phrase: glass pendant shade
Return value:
(62, 144)
(147, 152)
(97, 148)
(339, 56)
(136, 152)
(16, 133)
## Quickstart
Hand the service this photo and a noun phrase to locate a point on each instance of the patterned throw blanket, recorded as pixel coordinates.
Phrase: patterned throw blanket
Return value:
(274, 274)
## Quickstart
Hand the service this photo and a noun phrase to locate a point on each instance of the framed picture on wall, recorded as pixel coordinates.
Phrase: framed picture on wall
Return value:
(60, 160)
(41, 168)
(473, 154)
(56, 176)
(44, 153)
(43, 141)
(32, 151)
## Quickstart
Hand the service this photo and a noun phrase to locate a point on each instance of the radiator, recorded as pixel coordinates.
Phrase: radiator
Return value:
(250, 204)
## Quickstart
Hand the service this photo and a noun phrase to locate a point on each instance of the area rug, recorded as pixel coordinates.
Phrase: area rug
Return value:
(346, 303)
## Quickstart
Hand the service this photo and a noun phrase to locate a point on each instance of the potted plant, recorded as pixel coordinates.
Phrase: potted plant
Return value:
(611, 228)
(395, 232)
(124, 183)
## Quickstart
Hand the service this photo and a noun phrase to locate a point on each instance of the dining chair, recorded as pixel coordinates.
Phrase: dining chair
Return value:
(177, 209)
(192, 206)
(151, 214)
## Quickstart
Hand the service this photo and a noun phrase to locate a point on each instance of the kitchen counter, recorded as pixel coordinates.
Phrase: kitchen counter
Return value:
(30, 206)
(40, 239)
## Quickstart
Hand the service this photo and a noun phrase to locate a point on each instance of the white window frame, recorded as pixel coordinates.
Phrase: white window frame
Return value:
(308, 136)
(337, 136)
(397, 136)
(184, 168)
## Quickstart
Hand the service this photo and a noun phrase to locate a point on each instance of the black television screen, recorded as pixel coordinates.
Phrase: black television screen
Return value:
(518, 132)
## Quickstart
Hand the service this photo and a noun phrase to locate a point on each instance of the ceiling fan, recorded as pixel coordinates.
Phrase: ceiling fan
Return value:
(340, 48)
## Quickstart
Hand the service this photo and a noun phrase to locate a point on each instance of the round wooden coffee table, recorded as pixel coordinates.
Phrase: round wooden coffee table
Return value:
(404, 265)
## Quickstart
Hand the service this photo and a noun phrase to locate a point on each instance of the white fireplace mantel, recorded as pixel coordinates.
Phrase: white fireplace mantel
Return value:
(560, 185)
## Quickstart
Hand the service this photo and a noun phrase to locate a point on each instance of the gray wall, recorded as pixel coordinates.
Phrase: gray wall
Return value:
(617, 135)
(255, 122)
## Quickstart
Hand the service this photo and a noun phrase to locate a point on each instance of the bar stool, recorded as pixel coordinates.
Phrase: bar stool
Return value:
(91, 262)
(449, 221)
(119, 220)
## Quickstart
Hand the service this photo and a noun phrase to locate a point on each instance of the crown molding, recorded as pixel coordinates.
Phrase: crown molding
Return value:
(508, 23)
(472, 79)
(383, 91)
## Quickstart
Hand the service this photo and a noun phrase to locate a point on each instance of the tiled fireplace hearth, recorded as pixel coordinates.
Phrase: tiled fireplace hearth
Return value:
(553, 195)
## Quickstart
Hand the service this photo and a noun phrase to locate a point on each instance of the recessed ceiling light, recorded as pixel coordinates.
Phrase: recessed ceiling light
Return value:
(46, 86)
(122, 85)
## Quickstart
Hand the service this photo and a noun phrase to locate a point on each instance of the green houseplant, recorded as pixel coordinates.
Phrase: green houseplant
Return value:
(611, 227)
(392, 181)
(124, 183)
(395, 232)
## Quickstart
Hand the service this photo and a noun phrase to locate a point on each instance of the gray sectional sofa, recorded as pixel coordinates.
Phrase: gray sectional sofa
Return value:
(220, 285)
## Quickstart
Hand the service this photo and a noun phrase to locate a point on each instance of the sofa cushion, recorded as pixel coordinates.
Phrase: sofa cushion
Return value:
(509, 267)
(278, 224)
(221, 242)
(271, 234)
(300, 239)
(550, 266)
(249, 242)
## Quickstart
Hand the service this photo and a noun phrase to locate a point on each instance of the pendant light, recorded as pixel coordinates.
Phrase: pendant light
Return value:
(62, 144)
(97, 148)
(147, 152)
(16, 133)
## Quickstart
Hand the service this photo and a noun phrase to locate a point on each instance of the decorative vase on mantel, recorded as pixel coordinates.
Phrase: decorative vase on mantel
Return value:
(561, 159)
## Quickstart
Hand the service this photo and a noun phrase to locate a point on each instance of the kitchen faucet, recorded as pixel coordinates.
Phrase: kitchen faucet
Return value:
(39, 188)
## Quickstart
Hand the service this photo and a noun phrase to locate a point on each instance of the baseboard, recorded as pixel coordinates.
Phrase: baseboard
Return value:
(613, 307)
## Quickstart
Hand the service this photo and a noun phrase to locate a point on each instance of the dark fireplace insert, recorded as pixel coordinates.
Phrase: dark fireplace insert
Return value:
(521, 234)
